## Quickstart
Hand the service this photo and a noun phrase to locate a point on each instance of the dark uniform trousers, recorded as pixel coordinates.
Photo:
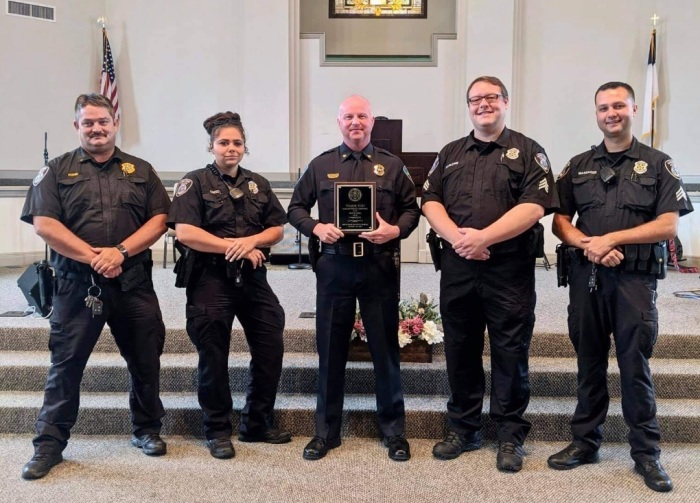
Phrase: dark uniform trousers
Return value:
(372, 280)
(136, 323)
(212, 303)
(624, 305)
(498, 293)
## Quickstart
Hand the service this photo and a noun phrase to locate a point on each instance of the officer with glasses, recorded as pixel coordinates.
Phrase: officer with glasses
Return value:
(484, 197)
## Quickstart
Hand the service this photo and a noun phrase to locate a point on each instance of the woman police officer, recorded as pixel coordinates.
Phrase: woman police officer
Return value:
(229, 215)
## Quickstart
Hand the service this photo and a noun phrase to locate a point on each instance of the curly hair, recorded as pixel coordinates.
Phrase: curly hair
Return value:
(213, 124)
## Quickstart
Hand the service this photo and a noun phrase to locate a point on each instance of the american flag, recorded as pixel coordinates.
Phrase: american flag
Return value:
(108, 79)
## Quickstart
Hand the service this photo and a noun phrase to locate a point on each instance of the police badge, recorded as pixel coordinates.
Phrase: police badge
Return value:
(379, 170)
(128, 168)
(640, 167)
(513, 153)
(252, 187)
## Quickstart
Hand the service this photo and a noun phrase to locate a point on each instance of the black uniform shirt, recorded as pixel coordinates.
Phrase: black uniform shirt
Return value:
(646, 184)
(477, 186)
(202, 199)
(102, 204)
(396, 192)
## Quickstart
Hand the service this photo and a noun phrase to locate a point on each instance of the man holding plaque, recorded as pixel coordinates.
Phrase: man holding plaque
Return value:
(366, 205)
(484, 196)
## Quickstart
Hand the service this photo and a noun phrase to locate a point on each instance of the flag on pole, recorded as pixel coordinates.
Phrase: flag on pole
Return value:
(108, 79)
(651, 95)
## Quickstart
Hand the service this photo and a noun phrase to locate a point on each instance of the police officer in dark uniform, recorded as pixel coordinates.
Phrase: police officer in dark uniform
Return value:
(484, 196)
(358, 267)
(628, 198)
(231, 217)
(99, 209)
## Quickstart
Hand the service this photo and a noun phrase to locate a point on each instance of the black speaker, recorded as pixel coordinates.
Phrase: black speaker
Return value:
(36, 283)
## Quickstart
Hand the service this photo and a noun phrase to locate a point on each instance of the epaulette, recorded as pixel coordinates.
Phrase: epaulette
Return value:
(329, 151)
(385, 152)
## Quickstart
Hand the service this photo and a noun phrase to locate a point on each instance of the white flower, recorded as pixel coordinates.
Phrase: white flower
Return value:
(404, 338)
(430, 333)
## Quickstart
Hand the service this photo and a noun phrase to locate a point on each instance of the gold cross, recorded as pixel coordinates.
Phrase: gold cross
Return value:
(655, 18)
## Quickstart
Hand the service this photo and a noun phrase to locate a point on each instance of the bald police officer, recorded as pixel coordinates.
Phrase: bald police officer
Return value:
(99, 209)
(357, 268)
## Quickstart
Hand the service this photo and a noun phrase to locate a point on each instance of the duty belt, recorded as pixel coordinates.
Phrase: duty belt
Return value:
(354, 248)
(84, 278)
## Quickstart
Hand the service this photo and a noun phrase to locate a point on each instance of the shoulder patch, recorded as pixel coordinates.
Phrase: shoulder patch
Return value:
(542, 161)
(565, 170)
(40, 175)
(669, 165)
(183, 186)
(407, 173)
(434, 166)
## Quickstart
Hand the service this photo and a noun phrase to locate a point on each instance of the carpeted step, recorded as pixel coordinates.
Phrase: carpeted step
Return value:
(554, 377)
(108, 414)
(302, 340)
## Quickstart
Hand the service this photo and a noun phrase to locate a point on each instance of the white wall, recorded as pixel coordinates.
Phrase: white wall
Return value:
(180, 62)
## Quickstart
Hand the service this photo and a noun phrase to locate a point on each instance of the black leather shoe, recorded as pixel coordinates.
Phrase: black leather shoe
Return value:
(510, 457)
(271, 436)
(399, 450)
(457, 443)
(151, 443)
(221, 448)
(318, 448)
(40, 465)
(655, 477)
(571, 457)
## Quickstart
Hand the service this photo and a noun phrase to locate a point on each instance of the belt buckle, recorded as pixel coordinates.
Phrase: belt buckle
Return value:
(358, 249)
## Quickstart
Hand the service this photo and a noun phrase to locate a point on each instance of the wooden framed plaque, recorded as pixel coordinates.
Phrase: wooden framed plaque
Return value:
(355, 206)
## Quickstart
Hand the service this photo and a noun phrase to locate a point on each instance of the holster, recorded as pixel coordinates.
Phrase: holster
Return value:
(45, 278)
(185, 265)
(534, 242)
(314, 251)
(435, 247)
(563, 264)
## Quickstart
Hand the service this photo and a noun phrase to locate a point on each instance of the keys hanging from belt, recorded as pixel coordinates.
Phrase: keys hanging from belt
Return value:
(593, 278)
(92, 300)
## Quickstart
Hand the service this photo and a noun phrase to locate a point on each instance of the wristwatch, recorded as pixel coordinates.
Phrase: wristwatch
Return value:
(123, 251)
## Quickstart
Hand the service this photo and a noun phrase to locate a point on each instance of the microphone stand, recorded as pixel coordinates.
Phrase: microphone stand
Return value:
(297, 243)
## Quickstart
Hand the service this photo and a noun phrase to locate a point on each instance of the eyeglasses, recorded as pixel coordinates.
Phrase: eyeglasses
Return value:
(490, 98)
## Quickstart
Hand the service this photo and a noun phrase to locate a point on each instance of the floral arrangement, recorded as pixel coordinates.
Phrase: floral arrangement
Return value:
(418, 319)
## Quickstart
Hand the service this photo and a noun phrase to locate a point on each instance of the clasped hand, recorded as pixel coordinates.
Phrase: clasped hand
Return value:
(599, 250)
(471, 244)
(107, 261)
(244, 248)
